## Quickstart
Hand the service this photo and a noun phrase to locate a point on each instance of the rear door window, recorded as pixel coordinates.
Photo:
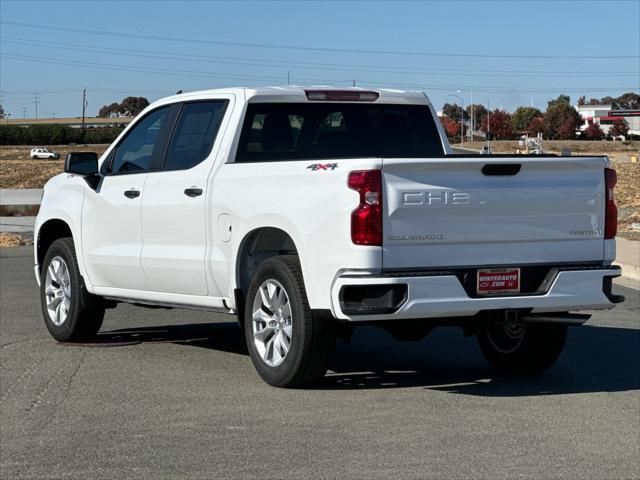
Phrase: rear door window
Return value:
(194, 134)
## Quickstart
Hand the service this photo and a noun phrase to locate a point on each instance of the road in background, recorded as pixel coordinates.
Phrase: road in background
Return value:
(173, 394)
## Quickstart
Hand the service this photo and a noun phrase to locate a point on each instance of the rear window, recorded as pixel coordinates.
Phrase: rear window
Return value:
(304, 131)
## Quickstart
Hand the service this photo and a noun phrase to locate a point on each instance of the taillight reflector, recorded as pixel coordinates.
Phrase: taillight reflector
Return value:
(611, 210)
(342, 95)
(366, 219)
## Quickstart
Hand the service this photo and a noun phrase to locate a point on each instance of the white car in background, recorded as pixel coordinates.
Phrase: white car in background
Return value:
(43, 154)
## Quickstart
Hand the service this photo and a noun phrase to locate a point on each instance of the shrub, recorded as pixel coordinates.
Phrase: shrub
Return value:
(499, 123)
(54, 134)
(594, 132)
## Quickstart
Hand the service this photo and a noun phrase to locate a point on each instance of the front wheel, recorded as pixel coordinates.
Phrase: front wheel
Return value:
(70, 312)
(289, 347)
(522, 347)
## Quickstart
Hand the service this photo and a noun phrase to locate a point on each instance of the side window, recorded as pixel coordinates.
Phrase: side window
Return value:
(135, 152)
(194, 134)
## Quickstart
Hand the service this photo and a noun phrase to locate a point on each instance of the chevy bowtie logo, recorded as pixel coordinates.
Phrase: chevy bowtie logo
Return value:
(322, 166)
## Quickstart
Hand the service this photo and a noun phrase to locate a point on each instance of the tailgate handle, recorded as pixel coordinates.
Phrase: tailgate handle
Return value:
(501, 168)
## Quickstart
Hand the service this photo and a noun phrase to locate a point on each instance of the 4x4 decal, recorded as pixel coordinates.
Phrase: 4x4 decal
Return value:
(322, 166)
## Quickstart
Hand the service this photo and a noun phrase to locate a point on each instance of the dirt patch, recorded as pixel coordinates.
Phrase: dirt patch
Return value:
(28, 173)
(14, 240)
(578, 147)
(628, 187)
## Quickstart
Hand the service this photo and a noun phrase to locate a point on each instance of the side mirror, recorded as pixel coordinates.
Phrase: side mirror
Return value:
(84, 164)
(81, 163)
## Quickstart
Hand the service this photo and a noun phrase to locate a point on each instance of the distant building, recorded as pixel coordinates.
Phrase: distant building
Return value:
(605, 116)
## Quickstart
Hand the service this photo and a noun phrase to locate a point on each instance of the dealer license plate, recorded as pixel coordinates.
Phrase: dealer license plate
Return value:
(498, 281)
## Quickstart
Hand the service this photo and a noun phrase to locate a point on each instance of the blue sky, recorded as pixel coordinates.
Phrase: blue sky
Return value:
(155, 48)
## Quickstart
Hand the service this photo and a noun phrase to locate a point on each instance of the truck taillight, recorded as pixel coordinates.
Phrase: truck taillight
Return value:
(366, 219)
(611, 210)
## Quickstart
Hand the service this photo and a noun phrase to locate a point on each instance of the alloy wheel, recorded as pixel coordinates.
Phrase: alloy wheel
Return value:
(57, 290)
(272, 322)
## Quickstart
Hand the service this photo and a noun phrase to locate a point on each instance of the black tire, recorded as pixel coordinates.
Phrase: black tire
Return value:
(535, 350)
(312, 340)
(85, 311)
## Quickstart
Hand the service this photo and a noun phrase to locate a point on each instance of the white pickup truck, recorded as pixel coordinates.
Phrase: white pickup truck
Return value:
(307, 212)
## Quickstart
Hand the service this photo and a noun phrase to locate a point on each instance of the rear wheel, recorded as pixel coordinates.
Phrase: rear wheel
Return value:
(522, 347)
(288, 346)
(70, 313)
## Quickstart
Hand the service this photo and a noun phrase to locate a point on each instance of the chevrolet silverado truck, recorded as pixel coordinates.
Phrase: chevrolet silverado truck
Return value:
(306, 212)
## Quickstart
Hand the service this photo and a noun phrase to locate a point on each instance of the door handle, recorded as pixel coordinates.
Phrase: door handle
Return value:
(132, 193)
(193, 192)
(501, 168)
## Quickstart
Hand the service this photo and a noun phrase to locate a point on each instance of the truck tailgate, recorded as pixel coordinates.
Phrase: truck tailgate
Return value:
(448, 212)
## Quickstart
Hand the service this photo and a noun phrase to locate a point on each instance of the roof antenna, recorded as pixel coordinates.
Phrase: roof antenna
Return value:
(178, 92)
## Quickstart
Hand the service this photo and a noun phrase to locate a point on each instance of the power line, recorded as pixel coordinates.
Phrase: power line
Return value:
(306, 48)
(306, 65)
(343, 81)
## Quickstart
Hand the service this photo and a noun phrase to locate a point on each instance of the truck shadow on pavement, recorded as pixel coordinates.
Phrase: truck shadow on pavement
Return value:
(595, 359)
(225, 337)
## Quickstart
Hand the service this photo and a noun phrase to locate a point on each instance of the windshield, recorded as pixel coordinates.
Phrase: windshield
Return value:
(303, 131)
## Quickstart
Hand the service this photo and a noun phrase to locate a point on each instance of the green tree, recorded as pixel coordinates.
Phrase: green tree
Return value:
(627, 101)
(559, 113)
(453, 111)
(129, 107)
(561, 99)
(109, 110)
(1, 112)
(132, 106)
(522, 117)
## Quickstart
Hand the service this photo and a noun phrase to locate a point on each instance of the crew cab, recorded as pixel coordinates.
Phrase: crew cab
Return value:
(43, 154)
(306, 212)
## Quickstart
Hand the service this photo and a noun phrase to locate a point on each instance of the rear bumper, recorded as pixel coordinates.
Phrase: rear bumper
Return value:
(437, 296)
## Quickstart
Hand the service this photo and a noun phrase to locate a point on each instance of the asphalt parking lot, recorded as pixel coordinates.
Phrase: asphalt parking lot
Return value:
(173, 394)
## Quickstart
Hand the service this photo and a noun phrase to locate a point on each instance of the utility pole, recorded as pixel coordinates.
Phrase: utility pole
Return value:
(24, 112)
(354, 82)
(288, 77)
(84, 106)
(473, 117)
(488, 127)
(36, 101)
(53, 114)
